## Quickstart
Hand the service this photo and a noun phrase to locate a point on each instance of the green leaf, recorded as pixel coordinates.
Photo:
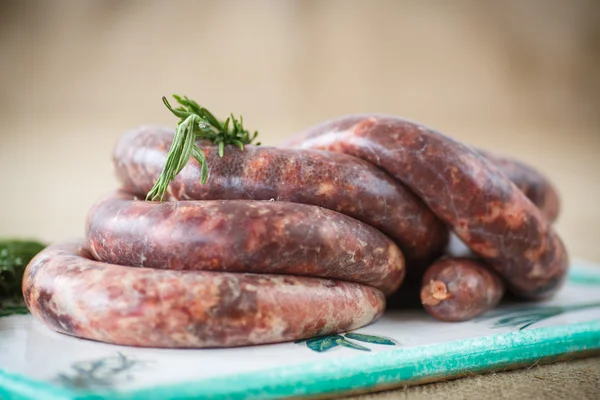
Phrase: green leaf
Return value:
(346, 343)
(234, 123)
(15, 254)
(196, 122)
(198, 154)
(323, 343)
(238, 144)
(370, 339)
(206, 133)
(211, 118)
(188, 143)
(193, 106)
(176, 112)
(226, 125)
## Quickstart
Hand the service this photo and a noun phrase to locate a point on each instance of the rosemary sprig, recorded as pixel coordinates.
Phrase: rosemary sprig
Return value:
(196, 122)
(15, 254)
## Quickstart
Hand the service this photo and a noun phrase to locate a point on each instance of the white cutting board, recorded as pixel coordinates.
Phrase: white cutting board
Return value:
(406, 347)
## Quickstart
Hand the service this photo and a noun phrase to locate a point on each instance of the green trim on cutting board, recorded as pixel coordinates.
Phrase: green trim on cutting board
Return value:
(584, 273)
(19, 387)
(359, 372)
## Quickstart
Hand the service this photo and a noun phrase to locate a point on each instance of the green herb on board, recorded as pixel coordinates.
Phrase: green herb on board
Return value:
(14, 257)
(8, 310)
(196, 122)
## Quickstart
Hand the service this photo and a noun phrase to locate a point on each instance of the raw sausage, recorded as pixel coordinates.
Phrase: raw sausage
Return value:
(458, 289)
(470, 289)
(335, 181)
(530, 181)
(478, 289)
(219, 265)
(73, 294)
(242, 236)
(464, 189)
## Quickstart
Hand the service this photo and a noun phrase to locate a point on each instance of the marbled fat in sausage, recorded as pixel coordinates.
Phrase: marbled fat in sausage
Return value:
(399, 178)
(464, 189)
(73, 294)
(242, 236)
(335, 181)
(530, 181)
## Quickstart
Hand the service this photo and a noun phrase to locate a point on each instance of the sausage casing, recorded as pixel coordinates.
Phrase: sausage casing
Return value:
(464, 189)
(242, 236)
(73, 294)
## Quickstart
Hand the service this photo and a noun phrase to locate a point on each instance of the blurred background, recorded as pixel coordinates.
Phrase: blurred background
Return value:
(516, 77)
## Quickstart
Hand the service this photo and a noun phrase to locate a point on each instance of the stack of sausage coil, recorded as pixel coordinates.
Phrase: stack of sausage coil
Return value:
(286, 243)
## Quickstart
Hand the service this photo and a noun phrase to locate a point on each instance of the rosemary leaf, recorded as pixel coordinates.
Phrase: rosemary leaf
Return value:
(238, 144)
(201, 159)
(211, 119)
(196, 122)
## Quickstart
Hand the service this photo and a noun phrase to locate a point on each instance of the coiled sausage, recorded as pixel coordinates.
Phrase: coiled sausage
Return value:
(330, 180)
(242, 236)
(72, 293)
(464, 189)
(349, 197)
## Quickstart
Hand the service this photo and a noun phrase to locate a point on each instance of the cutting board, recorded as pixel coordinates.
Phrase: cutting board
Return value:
(402, 348)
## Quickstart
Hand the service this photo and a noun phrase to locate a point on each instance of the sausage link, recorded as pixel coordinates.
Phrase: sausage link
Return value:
(531, 182)
(73, 294)
(335, 181)
(397, 177)
(465, 190)
(482, 290)
(242, 236)
(541, 193)
(458, 289)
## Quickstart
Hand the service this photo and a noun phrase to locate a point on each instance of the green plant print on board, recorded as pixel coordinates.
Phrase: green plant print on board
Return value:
(104, 372)
(321, 344)
(523, 318)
